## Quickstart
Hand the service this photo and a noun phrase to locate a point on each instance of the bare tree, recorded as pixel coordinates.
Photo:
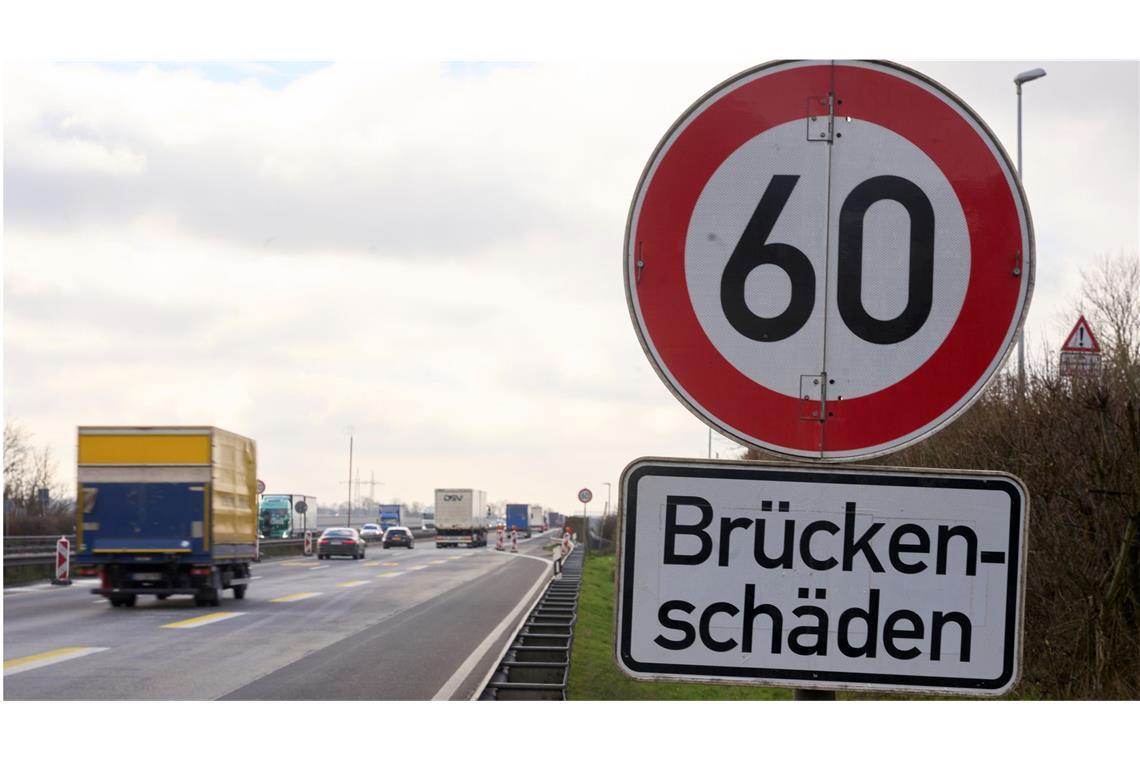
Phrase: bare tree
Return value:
(32, 492)
(1110, 292)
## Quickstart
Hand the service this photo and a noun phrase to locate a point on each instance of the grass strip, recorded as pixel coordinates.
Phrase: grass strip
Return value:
(594, 674)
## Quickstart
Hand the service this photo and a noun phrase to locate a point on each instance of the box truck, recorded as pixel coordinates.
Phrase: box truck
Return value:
(460, 517)
(537, 519)
(286, 515)
(518, 518)
(166, 510)
(391, 515)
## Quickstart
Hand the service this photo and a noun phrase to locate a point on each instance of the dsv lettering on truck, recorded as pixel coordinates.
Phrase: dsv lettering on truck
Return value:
(853, 578)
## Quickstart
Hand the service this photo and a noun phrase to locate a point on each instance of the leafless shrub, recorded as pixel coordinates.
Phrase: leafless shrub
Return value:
(32, 503)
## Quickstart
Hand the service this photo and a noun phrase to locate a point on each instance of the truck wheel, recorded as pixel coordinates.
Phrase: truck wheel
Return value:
(239, 591)
(129, 600)
(162, 596)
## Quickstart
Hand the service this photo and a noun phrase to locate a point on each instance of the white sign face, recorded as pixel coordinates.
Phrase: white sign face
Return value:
(837, 579)
(828, 260)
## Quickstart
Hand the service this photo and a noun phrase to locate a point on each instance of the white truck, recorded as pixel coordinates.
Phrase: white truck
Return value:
(537, 519)
(460, 517)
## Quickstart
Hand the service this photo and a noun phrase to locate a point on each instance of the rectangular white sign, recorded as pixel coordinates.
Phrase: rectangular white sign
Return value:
(833, 578)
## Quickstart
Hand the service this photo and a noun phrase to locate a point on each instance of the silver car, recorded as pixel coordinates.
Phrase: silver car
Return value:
(371, 530)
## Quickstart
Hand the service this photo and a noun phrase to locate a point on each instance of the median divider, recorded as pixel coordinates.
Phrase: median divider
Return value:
(536, 665)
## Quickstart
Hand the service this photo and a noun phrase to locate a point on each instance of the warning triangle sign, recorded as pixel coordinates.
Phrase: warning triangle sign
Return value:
(1081, 338)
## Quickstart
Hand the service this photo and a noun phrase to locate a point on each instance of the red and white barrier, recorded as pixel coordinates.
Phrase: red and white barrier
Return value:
(62, 562)
(499, 540)
(514, 540)
(308, 542)
(565, 543)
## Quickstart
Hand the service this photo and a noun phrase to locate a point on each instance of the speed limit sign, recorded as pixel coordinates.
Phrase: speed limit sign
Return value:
(828, 259)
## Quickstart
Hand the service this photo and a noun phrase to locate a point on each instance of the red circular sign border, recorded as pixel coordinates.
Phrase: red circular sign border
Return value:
(699, 143)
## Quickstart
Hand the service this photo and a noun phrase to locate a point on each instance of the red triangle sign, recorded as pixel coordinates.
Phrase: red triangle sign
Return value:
(1081, 338)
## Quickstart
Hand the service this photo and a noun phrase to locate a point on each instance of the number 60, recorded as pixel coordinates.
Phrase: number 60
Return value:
(753, 251)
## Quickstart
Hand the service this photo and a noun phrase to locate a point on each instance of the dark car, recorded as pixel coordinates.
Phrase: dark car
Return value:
(399, 537)
(341, 541)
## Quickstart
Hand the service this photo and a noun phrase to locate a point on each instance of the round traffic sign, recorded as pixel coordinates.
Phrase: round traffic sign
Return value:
(585, 495)
(828, 260)
(260, 486)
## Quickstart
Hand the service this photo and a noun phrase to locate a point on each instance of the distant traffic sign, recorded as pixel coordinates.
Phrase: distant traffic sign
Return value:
(260, 486)
(585, 495)
(853, 578)
(1081, 338)
(828, 260)
(1080, 354)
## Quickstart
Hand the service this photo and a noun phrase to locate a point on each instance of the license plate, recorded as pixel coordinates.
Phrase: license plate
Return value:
(147, 576)
(334, 541)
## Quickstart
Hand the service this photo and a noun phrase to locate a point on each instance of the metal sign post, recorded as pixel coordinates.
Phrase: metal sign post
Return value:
(584, 496)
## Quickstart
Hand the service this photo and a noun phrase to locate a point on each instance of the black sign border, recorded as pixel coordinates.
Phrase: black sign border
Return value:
(928, 479)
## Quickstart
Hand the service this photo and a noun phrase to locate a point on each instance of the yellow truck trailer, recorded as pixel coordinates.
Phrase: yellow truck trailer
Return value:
(167, 510)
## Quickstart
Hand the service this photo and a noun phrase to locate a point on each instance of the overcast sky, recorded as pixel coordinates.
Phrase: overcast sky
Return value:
(428, 255)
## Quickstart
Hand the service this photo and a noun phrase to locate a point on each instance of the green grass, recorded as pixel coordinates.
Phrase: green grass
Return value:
(594, 673)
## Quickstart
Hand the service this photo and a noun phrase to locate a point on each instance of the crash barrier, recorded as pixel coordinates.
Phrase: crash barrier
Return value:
(41, 550)
(536, 666)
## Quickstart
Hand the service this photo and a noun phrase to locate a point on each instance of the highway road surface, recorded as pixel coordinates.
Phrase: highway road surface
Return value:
(402, 624)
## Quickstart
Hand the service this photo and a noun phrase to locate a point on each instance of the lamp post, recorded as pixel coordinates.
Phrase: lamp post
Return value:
(605, 511)
(350, 436)
(1020, 79)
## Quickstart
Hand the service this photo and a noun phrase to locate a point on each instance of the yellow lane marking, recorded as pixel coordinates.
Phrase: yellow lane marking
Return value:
(352, 584)
(372, 564)
(299, 563)
(438, 561)
(33, 661)
(296, 597)
(389, 574)
(201, 620)
(418, 567)
(319, 567)
(391, 564)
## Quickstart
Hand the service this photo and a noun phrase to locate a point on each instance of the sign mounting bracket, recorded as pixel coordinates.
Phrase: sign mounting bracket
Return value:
(821, 118)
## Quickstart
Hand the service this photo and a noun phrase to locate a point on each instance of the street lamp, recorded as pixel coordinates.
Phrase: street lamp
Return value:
(607, 508)
(1020, 79)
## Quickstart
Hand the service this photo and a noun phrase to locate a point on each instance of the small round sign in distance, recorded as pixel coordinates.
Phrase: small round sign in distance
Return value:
(828, 259)
(585, 495)
(260, 486)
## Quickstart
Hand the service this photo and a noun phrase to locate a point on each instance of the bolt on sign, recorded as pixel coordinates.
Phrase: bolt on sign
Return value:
(828, 259)
(837, 578)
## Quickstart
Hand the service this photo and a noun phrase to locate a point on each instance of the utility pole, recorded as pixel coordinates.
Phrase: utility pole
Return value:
(349, 523)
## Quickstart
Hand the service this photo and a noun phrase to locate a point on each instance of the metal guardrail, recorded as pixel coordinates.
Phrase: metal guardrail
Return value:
(536, 666)
(40, 550)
